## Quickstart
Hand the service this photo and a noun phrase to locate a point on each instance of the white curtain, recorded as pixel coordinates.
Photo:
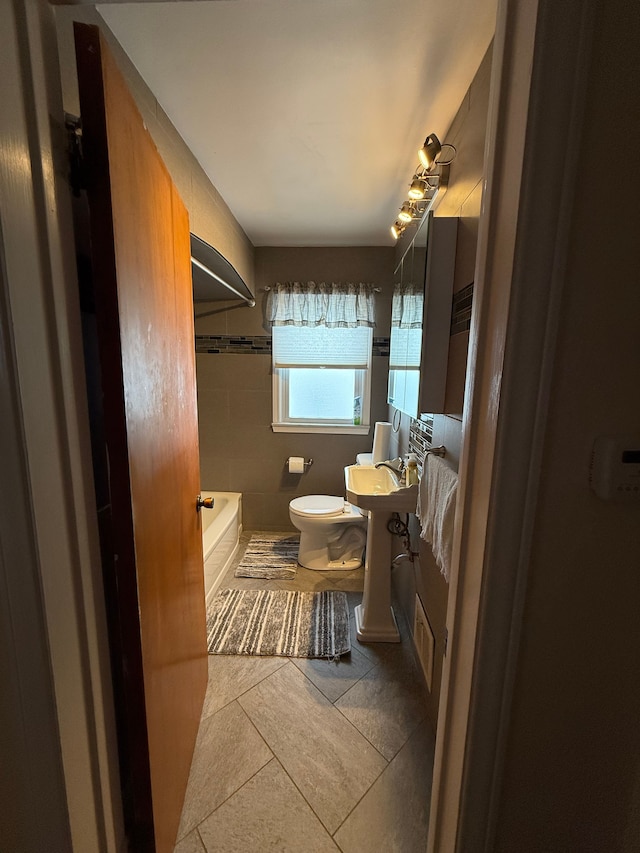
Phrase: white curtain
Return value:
(407, 306)
(335, 306)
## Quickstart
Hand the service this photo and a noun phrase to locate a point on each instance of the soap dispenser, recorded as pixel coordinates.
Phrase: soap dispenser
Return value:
(411, 475)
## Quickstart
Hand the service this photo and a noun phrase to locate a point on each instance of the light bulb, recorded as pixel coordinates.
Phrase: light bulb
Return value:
(429, 151)
(396, 230)
(418, 189)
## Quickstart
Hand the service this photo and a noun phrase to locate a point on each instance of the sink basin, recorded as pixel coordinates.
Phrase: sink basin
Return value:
(369, 480)
(374, 488)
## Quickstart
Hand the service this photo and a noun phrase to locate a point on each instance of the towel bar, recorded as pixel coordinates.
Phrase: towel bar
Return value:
(437, 451)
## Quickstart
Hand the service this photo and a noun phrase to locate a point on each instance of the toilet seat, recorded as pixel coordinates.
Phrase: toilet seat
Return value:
(318, 506)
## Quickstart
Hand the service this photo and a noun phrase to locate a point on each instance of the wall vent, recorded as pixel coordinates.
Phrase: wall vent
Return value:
(424, 641)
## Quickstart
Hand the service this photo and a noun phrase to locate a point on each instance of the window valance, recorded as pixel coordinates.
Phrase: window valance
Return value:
(332, 305)
(407, 306)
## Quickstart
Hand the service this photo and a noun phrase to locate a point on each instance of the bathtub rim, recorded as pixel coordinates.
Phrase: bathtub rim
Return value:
(231, 514)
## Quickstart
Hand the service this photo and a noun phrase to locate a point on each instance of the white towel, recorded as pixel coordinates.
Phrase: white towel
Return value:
(436, 509)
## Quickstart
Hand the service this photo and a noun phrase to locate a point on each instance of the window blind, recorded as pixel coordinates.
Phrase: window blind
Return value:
(319, 346)
(406, 347)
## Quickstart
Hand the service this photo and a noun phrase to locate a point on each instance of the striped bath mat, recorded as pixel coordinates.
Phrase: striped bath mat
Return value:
(268, 622)
(270, 556)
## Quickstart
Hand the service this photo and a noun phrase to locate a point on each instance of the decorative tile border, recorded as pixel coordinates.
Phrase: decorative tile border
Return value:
(237, 344)
(259, 344)
(461, 310)
(381, 346)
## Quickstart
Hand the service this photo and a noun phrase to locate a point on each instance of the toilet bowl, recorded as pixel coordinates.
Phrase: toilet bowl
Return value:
(333, 533)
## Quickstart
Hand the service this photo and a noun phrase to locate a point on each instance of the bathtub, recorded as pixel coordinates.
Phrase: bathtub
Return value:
(221, 527)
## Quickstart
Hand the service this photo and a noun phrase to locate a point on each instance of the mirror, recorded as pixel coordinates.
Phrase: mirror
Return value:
(421, 318)
(406, 325)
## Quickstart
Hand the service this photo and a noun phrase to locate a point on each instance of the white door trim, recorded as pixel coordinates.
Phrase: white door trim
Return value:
(541, 54)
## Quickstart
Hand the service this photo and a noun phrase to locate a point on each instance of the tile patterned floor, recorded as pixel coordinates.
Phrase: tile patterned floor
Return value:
(308, 756)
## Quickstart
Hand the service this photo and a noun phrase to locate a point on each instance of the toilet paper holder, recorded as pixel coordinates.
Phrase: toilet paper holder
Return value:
(306, 464)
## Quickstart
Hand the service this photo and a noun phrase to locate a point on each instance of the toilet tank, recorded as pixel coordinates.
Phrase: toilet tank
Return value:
(364, 459)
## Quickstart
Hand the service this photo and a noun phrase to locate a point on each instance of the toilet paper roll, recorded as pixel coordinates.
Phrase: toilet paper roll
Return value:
(381, 436)
(296, 464)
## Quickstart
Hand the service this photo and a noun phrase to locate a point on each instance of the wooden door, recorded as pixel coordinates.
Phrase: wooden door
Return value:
(150, 530)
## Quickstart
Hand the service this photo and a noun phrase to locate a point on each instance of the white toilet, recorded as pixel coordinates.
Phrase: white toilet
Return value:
(333, 533)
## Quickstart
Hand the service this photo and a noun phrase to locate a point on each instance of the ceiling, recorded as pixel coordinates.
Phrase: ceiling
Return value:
(307, 114)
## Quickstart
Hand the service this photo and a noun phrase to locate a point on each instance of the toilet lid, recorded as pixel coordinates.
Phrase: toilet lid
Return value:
(321, 505)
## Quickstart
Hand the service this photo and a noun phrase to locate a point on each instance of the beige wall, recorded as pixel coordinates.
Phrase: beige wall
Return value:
(573, 749)
(209, 216)
(462, 199)
(238, 449)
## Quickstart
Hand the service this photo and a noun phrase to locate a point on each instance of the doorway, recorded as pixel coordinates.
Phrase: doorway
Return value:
(82, 784)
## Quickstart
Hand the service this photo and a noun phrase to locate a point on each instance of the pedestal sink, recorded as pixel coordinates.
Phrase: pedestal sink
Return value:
(377, 491)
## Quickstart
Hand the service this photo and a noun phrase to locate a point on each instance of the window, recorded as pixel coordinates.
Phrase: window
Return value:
(318, 373)
(322, 341)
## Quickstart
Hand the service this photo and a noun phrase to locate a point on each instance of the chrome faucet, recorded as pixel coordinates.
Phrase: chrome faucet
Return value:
(397, 472)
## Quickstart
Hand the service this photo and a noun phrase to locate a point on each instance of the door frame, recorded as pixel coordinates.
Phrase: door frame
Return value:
(539, 75)
(55, 525)
(52, 410)
(31, 762)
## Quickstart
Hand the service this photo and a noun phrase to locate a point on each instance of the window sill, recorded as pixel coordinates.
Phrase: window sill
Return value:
(328, 429)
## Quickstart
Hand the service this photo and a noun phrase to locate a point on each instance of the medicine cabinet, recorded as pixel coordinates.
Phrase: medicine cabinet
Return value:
(421, 318)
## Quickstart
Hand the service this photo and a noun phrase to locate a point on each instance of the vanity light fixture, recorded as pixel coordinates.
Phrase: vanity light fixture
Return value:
(424, 184)
(418, 188)
(396, 229)
(407, 212)
(411, 211)
(431, 150)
